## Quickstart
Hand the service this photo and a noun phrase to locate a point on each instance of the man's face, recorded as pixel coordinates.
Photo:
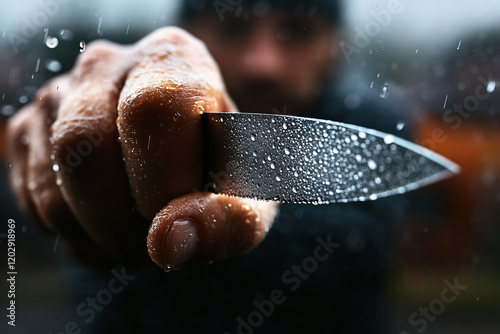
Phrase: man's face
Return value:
(275, 62)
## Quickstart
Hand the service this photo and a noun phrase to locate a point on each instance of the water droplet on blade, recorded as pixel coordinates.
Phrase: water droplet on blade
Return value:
(372, 164)
(389, 139)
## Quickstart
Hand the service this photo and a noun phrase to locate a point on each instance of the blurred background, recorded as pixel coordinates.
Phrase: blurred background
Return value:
(440, 58)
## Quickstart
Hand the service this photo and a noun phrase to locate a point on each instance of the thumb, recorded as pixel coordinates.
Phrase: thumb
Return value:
(204, 227)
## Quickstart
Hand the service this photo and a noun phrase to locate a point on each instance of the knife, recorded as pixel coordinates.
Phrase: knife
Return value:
(290, 159)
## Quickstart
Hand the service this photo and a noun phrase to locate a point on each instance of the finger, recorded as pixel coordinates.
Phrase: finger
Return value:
(204, 227)
(159, 118)
(17, 155)
(40, 174)
(88, 155)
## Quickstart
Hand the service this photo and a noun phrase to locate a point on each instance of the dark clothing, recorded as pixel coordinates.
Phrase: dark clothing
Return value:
(296, 281)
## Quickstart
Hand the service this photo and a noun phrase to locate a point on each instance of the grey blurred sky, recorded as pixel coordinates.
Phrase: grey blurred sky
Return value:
(421, 21)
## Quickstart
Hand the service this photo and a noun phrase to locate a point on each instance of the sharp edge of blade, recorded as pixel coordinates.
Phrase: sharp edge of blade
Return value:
(392, 192)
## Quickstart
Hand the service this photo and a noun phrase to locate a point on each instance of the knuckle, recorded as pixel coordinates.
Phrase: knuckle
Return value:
(97, 54)
(169, 40)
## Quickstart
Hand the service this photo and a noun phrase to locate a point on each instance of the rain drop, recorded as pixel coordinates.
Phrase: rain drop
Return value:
(55, 167)
(128, 27)
(252, 137)
(66, 34)
(278, 178)
(53, 66)
(491, 86)
(272, 166)
(400, 126)
(7, 110)
(99, 32)
(287, 151)
(285, 126)
(51, 42)
(385, 92)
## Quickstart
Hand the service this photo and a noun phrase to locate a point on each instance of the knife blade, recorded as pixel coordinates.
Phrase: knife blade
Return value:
(290, 159)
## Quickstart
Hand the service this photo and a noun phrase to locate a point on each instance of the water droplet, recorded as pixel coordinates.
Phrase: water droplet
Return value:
(372, 164)
(128, 27)
(51, 42)
(378, 180)
(278, 178)
(285, 126)
(385, 92)
(55, 167)
(252, 137)
(7, 110)
(371, 85)
(99, 32)
(287, 151)
(400, 126)
(272, 166)
(491, 86)
(53, 66)
(389, 139)
(459, 44)
(66, 34)
(294, 189)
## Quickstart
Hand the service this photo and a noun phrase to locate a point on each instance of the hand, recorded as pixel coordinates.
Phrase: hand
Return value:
(102, 150)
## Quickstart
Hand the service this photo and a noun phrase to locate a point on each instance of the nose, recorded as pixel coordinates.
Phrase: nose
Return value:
(264, 58)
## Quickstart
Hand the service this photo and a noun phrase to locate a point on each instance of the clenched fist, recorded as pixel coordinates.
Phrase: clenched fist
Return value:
(108, 155)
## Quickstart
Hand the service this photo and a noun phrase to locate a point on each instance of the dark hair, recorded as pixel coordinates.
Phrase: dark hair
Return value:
(331, 9)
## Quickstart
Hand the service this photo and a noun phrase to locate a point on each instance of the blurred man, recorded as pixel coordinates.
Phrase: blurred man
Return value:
(116, 144)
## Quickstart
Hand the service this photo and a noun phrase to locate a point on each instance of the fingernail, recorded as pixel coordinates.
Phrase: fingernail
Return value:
(181, 244)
